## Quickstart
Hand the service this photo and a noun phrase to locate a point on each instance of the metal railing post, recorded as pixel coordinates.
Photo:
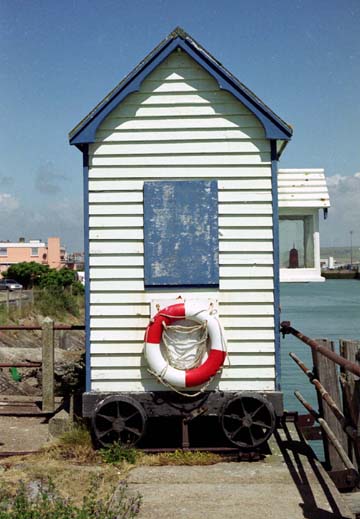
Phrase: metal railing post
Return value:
(48, 396)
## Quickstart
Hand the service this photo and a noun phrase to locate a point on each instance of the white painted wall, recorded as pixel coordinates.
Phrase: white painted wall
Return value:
(180, 126)
(303, 192)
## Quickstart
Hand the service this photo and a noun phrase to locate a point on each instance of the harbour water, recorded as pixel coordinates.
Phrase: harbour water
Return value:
(319, 310)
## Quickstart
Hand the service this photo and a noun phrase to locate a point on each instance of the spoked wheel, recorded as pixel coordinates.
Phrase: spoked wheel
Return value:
(248, 420)
(118, 419)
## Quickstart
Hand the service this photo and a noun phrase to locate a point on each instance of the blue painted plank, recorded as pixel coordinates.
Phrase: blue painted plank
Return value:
(276, 245)
(181, 237)
(85, 151)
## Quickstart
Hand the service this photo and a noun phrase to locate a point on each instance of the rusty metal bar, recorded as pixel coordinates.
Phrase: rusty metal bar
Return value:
(306, 404)
(286, 329)
(20, 365)
(329, 433)
(351, 431)
(17, 453)
(37, 327)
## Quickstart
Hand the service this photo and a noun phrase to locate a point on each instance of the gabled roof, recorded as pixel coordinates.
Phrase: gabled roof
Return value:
(275, 128)
(303, 188)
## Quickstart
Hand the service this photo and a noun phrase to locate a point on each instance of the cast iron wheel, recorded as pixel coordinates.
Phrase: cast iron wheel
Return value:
(118, 419)
(248, 420)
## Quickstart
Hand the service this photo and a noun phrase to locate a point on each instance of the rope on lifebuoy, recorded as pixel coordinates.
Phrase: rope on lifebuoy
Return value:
(179, 379)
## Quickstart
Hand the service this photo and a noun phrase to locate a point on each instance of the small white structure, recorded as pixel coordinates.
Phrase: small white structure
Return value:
(302, 193)
(180, 176)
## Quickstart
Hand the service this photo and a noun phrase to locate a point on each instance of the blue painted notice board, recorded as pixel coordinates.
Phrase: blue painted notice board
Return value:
(181, 237)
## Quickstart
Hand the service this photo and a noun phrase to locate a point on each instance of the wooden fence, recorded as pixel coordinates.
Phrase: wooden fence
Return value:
(336, 379)
(48, 329)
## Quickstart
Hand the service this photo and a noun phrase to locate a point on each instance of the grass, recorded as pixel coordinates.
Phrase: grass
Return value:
(42, 500)
(74, 445)
(118, 453)
(180, 457)
(64, 473)
(57, 303)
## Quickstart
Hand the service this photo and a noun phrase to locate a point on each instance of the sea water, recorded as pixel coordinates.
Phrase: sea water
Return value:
(328, 310)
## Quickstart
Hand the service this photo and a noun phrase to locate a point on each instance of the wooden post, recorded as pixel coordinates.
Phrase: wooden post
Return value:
(48, 397)
(326, 371)
(351, 390)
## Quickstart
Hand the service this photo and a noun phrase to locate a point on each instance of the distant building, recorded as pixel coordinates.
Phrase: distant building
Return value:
(302, 194)
(75, 261)
(51, 254)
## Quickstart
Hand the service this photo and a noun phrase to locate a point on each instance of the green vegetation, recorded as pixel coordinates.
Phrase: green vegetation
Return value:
(57, 302)
(32, 274)
(75, 445)
(180, 457)
(56, 292)
(41, 500)
(117, 453)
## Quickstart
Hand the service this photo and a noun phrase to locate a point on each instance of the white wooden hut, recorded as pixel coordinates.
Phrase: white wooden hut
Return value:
(302, 194)
(180, 130)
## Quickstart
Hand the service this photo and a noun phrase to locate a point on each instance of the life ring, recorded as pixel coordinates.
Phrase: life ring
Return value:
(158, 364)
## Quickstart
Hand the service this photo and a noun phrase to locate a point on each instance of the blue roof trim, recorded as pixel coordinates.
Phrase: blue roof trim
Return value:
(274, 127)
(276, 247)
(87, 266)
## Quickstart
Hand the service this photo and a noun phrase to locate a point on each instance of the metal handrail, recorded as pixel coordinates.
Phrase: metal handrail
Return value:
(287, 329)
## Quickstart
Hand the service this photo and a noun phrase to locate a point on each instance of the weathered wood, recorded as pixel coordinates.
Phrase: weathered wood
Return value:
(326, 371)
(184, 160)
(136, 348)
(350, 431)
(48, 395)
(152, 385)
(348, 473)
(351, 392)
(228, 171)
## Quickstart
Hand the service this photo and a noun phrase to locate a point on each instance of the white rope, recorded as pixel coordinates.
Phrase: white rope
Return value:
(181, 353)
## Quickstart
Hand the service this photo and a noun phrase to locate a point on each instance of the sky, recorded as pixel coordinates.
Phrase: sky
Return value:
(59, 59)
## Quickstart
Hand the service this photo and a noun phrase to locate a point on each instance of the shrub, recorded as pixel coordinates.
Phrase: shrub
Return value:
(27, 273)
(118, 453)
(55, 302)
(78, 288)
(42, 501)
(75, 445)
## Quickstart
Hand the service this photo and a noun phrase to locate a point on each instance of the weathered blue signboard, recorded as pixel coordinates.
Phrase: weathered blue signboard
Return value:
(181, 238)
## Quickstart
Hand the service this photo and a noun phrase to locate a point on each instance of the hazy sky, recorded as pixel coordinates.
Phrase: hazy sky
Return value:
(58, 59)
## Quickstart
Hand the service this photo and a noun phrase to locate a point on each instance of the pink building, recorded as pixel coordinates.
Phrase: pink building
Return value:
(51, 254)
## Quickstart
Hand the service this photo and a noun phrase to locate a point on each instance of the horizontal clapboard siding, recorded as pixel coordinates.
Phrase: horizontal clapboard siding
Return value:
(302, 188)
(249, 347)
(180, 126)
(151, 384)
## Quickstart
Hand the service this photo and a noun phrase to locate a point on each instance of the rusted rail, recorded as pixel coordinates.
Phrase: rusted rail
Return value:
(287, 329)
(329, 433)
(38, 327)
(351, 431)
(20, 364)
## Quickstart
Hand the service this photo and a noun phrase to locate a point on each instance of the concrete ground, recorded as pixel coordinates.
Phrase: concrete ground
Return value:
(22, 433)
(288, 484)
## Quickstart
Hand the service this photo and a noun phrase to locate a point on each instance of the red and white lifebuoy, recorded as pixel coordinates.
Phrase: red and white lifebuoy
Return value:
(158, 364)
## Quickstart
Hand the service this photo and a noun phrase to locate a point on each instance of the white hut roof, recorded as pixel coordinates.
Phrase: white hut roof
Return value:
(302, 188)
